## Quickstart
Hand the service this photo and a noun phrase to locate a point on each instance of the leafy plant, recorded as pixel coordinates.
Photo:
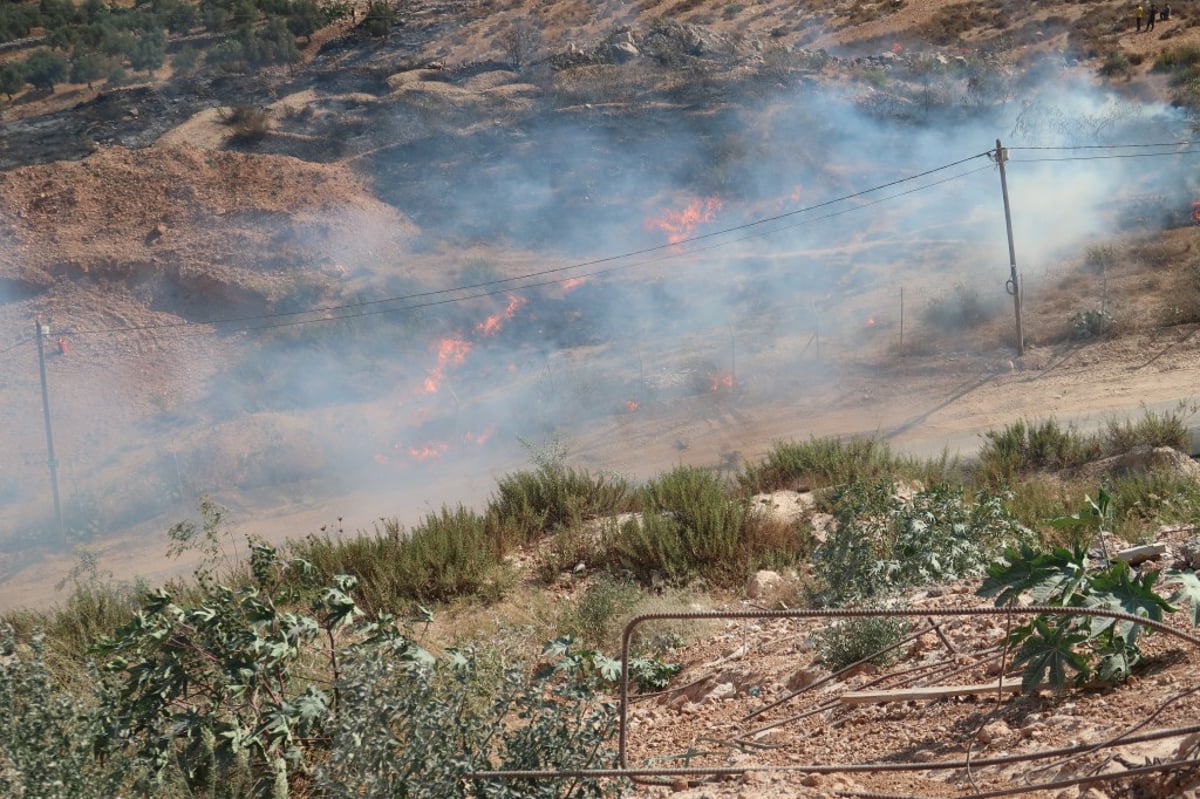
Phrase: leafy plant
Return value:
(45, 731)
(1089, 646)
(882, 542)
(1092, 323)
(210, 690)
(848, 641)
(690, 526)
(413, 730)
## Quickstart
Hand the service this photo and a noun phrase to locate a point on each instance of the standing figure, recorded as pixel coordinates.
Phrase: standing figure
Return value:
(1153, 15)
(1137, 18)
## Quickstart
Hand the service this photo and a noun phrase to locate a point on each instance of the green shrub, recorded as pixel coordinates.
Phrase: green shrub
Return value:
(447, 555)
(207, 693)
(1092, 323)
(1143, 501)
(822, 462)
(414, 729)
(1027, 446)
(529, 504)
(882, 542)
(963, 309)
(379, 19)
(847, 641)
(46, 731)
(594, 617)
(1116, 65)
(1166, 429)
(690, 525)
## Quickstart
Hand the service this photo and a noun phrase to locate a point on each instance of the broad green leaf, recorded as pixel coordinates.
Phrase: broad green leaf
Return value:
(1047, 654)
(1120, 588)
(1050, 577)
(1188, 591)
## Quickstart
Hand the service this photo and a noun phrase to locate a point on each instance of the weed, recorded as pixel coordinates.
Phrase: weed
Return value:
(1027, 446)
(1160, 496)
(830, 461)
(848, 641)
(447, 555)
(1092, 323)
(594, 617)
(883, 542)
(529, 504)
(963, 309)
(690, 525)
(1116, 65)
(1165, 429)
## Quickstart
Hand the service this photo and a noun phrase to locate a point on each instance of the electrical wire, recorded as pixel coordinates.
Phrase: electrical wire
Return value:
(347, 311)
(560, 270)
(554, 281)
(1099, 157)
(1100, 146)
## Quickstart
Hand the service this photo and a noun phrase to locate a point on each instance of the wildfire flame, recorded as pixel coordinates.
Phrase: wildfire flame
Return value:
(870, 322)
(450, 352)
(572, 283)
(428, 451)
(718, 382)
(631, 405)
(491, 326)
(679, 225)
(479, 439)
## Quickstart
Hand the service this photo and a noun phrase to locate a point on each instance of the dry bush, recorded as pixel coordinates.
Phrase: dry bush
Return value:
(949, 23)
(249, 123)
(1093, 34)
(1157, 254)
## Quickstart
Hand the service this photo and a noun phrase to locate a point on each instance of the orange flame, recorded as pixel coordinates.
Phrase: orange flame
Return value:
(631, 405)
(451, 352)
(679, 225)
(870, 321)
(491, 326)
(718, 382)
(572, 283)
(479, 439)
(429, 451)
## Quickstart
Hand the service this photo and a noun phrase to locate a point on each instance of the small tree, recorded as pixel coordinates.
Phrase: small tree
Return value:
(87, 67)
(148, 51)
(45, 68)
(12, 78)
(379, 19)
(520, 43)
(304, 19)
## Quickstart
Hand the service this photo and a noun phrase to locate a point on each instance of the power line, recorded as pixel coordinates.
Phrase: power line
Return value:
(1099, 157)
(595, 273)
(542, 273)
(346, 311)
(1101, 146)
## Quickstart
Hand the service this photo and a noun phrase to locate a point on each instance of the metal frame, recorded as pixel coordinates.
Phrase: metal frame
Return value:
(624, 771)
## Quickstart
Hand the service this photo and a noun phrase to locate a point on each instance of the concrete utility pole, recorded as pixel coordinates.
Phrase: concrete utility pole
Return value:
(1014, 281)
(40, 333)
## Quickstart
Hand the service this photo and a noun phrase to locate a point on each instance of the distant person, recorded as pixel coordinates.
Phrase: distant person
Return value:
(1137, 18)
(1153, 15)
(1165, 14)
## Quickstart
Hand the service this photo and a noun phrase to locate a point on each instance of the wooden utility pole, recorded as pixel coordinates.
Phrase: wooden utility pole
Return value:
(1014, 281)
(40, 333)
